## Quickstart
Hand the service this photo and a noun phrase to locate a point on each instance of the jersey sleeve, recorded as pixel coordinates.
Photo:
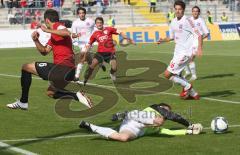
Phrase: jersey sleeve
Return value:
(115, 31)
(204, 27)
(192, 28)
(179, 132)
(164, 131)
(57, 37)
(49, 43)
(92, 39)
(169, 115)
(74, 28)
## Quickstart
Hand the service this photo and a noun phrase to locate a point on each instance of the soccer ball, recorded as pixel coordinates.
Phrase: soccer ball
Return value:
(219, 125)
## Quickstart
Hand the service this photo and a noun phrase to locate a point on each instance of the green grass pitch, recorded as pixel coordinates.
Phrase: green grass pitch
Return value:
(218, 82)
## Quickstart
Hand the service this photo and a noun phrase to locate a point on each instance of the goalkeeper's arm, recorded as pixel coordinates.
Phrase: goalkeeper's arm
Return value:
(179, 132)
(169, 115)
(163, 131)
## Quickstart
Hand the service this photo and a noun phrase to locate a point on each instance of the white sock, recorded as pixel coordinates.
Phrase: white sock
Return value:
(192, 67)
(144, 117)
(193, 92)
(186, 69)
(103, 131)
(181, 81)
(78, 70)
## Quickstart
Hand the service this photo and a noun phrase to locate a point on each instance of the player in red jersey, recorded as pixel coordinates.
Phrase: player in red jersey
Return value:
(59, 72)
(106, 48)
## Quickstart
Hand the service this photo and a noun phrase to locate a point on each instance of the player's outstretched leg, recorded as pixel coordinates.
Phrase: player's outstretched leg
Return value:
(26, 80)
(187, 87)
(107, 132)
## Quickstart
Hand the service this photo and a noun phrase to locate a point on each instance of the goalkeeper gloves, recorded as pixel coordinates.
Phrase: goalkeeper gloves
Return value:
(194, 129)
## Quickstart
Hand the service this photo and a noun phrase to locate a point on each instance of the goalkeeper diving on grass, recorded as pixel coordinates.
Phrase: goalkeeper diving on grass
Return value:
(148, 121)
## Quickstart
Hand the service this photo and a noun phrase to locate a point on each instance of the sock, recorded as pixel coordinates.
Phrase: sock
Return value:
(66, 95)
(78, 70)
(144, 117)
(88, 73)
(192, 67)
(181, 81)
(112, 71)
(193, 92)
(187, 70)
(103, 131)
(184, 79)
(26, 80)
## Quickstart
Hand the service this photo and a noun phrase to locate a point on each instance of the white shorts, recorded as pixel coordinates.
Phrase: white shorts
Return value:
(133, 126)
(80, 45)
(178, 63)
(195, 47)
(194, 50)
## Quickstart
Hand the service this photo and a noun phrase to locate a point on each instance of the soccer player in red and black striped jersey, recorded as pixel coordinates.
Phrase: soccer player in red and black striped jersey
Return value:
(60, 72)
(106, 48)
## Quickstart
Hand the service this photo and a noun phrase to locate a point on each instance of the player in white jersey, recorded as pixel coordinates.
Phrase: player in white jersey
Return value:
(187, 40)
(200, 24)
(82, 29)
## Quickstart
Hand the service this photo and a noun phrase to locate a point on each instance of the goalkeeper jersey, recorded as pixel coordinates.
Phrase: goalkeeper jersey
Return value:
(159, 130)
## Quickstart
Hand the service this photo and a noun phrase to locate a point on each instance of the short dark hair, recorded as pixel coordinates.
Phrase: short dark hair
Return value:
(181, 3)
(196, 7)
(99, 18)
(52, 15)
(81, 8)
(165, 105)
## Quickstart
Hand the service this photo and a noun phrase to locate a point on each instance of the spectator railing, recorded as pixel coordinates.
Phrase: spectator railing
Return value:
(124, 15)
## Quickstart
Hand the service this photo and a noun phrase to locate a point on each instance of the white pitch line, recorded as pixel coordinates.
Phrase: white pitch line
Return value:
(78, 136)
(104, 86)
(16, 149)
(169, 53)
(223, 101)
(165, 93)
(17, 76)
(54, 138)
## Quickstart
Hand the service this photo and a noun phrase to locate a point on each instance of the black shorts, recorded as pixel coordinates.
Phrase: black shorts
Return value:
(105, 56)
(153, 4)
(59, 75)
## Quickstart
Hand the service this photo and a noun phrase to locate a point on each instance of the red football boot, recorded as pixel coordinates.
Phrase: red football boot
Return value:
(185, 93)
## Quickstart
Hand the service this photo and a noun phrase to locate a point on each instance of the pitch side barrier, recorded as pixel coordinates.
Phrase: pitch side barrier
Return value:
(149, 34)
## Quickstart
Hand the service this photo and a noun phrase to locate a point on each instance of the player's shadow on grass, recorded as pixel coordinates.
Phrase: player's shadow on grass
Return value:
(1, 93)
(216, 76)
(151, 135)
(55, 136)
(224, 93)
(227, 132)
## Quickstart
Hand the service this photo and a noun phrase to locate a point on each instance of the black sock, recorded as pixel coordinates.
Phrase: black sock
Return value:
(112, 71)
(26, 80)
(65, 95)
(88, 73)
